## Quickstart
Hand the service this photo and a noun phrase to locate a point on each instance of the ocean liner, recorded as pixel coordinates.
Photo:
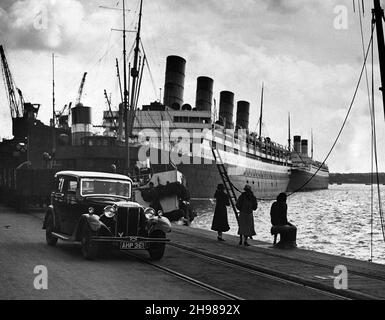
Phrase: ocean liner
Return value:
(191, 131)
(306, 173)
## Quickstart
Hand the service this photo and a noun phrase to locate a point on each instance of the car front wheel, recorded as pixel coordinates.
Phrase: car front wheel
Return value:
(157, 249)
(89, 249)
(51, 240)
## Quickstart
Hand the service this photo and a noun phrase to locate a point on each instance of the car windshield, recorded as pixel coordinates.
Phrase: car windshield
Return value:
(93, 187)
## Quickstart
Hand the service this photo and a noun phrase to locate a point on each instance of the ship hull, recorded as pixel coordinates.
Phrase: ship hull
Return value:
(267, 175)
(299, 180)
(263, 165)
(202, 181)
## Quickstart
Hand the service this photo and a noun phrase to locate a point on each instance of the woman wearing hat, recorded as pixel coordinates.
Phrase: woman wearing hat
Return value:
(246, 204)
(220, 223)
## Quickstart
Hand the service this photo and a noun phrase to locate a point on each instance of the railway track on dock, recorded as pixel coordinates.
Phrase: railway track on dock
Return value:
(253, 272)
(219, 292)
(231, 267)
(258, 270)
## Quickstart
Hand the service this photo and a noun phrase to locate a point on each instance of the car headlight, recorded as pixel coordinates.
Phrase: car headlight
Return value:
(109, 211)
(149, 213)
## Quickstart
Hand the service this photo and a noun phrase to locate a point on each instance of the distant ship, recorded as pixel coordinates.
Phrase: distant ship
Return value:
(306, 173)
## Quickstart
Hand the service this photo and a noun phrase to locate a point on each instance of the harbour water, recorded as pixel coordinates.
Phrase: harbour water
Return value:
(335, 221)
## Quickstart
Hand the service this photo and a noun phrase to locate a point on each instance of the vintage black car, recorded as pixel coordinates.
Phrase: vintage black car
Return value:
(95, 209)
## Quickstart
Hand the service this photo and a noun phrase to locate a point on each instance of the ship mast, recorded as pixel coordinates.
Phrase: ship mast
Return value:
(134, 74)
(53, 108)
(125, 91)
(312, 144)
(289, 134)
(260, 116)
(378, 13)
(53, 90)
(135, 69)
(121, 105)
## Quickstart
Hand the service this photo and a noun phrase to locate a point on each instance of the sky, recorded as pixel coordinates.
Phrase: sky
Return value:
(308, 54)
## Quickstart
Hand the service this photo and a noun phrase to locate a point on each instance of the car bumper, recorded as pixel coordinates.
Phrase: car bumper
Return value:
(132, 239)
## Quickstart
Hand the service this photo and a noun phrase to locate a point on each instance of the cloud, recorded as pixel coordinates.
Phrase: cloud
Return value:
(42, 24)
(4, 22)
(291, 7)
(284, 6)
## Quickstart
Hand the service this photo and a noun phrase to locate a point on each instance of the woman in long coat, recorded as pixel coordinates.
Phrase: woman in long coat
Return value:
(220, 222)
(246, 204)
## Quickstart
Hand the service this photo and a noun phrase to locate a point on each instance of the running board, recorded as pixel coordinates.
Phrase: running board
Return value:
(61, 236)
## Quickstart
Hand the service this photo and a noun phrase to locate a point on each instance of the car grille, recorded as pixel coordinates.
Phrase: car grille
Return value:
(127, 222)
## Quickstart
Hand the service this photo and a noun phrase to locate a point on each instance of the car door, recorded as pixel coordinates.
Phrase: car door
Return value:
(58, 202)
(73, 206)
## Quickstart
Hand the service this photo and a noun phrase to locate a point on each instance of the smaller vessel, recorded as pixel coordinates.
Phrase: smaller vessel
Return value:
(306, 173)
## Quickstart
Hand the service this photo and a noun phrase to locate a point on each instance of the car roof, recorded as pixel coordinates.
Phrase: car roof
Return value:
(91, 174)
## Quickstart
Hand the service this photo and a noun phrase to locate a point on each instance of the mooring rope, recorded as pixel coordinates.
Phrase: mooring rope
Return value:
(374, 148)
(346, 117)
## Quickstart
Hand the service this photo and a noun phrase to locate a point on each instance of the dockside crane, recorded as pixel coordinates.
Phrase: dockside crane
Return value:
(108, 100)
(62, 111)
(80, 92)
(63, 115)
(14, 95)
(23, 113)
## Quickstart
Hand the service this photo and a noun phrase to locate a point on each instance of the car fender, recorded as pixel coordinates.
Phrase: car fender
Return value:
(93, 222)
(50, 211)
(160, 223)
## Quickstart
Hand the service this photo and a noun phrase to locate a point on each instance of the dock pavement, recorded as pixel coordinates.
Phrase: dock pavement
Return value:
(365, 280)
(196, 266)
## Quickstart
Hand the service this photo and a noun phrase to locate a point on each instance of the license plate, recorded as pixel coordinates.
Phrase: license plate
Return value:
(132, 245)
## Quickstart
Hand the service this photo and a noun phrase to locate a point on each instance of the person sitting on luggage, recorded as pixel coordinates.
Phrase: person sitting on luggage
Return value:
(278, 214)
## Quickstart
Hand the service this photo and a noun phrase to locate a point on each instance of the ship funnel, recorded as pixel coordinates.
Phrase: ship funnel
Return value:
(81, 123)
(174, 82)
(297, 144)
(226, 106)
(204, 94)
(304, 149)
(243, 109)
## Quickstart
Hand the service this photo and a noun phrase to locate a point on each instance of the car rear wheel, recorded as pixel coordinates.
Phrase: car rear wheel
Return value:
(89, 248)
(157, 249)
(51, 240)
